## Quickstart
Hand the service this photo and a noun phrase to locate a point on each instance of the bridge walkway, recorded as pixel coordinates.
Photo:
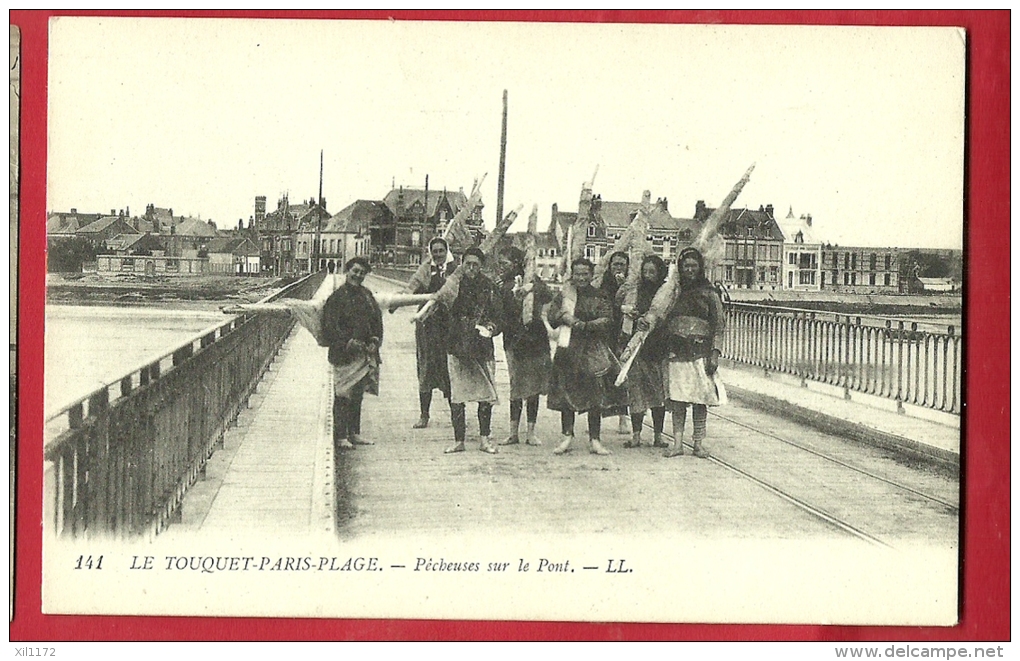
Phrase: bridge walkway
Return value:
(275, 473)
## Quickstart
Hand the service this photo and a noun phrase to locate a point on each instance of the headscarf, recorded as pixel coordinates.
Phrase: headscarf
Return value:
(449, 253)
(700, 279)
(646, 290)
(609, 283)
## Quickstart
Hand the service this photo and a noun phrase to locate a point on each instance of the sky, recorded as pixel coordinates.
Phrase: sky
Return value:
(860, 127)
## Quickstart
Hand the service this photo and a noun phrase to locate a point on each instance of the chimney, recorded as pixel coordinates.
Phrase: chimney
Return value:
(768, 209)
(761, 207)
(120, 214)
(699, 210)
(113, 212)
(809, 220)
(127, 212)
(646, 198)
(74, 212)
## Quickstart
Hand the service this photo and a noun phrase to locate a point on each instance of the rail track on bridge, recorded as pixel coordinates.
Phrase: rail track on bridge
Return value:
(935, 486)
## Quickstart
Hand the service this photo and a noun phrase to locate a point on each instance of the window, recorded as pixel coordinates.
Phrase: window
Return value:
(846, 278)
(775, 253)
(332, 245)
(731, 250)
(874, 262)
(761, 274)
(846, 261)
(835, 277)
(807, 277)
(853, 262)
(773, 274)
(823, 278)
(591, 229)
(853, 278)
(729, 273)
(887, 278)
(807, 260)
(871, 279)
(589, 250)
(763, 251)
(793, 258)
(888, 265)
(789, 279)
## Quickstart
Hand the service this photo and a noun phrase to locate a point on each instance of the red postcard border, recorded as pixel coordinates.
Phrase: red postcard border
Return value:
(985, 607)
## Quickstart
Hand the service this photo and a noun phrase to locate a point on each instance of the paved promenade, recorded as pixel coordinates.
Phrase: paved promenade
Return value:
(275, 471)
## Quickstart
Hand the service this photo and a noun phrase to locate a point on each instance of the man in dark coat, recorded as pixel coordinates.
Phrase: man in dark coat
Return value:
(352, 328)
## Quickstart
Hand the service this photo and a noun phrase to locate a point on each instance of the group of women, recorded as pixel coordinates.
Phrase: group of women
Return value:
(674, 369)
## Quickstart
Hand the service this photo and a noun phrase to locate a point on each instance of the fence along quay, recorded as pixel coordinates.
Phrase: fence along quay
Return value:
(918, 363)
(119, 465)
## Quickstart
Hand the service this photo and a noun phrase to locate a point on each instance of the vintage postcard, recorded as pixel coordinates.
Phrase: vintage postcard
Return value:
(504, 321)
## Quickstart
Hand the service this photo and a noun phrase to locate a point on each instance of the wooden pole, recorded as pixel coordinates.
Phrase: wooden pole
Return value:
(502, 165)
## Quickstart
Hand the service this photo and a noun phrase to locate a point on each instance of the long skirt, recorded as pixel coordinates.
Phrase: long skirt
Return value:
(570, 389)
(471, 380)
(360, 373)
(646, 385)
(430, 351)
(529, 374)
(688, 382)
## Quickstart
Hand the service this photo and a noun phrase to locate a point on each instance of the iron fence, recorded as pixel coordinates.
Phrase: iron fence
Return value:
(119, 460)
(912, 362)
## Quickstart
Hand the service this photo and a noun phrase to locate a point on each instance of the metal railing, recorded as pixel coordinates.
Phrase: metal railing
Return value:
(912, 362)
(119, 460)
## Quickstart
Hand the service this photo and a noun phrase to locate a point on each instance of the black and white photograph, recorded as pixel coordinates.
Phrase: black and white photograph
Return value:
(503, 321)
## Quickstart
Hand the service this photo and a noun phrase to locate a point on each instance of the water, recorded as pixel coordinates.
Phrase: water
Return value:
(89, 345)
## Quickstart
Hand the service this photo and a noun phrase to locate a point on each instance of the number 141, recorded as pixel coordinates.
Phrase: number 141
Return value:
(89, 562)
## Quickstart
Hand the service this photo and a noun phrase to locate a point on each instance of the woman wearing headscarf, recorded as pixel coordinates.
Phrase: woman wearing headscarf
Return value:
(694, 329)
(612, 281)
(430, 334)
(579, 369)
(645, 381)
(525, 342)
(474, 320)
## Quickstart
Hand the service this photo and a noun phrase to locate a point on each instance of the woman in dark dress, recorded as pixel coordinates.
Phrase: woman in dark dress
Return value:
(578, 369)
(526, 343)
(430, 335)
(645, 382)
(612, 280)
(694, 329)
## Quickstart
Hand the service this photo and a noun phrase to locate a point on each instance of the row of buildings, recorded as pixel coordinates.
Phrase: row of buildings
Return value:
(759, 251)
